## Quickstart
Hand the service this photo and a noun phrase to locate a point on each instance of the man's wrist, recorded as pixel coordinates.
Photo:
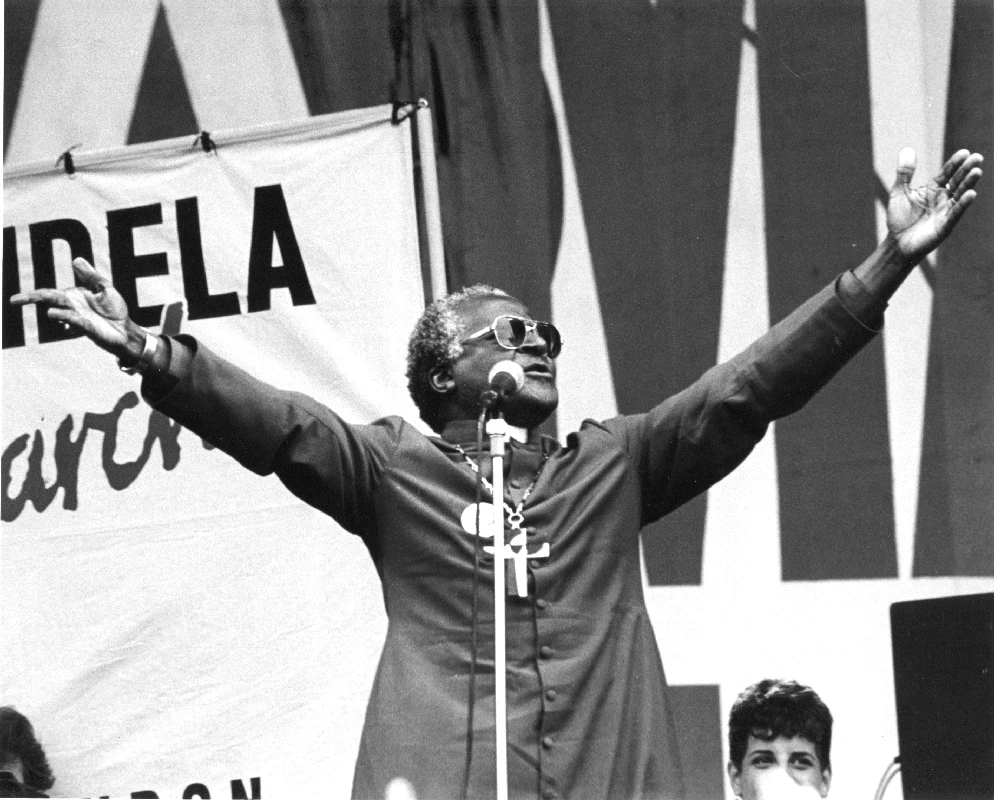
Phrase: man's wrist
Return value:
(141, 351)
(885, 270)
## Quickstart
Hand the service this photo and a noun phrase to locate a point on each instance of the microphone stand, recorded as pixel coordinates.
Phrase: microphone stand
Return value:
(498, 432)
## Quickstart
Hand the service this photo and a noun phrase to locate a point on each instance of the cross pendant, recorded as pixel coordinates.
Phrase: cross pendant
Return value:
(516, 553)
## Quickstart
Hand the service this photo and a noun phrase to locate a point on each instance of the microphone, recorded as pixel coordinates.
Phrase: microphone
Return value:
(506, 378)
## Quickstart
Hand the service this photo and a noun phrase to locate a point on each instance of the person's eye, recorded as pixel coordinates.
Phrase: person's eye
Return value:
(761, 760)
(804, 762)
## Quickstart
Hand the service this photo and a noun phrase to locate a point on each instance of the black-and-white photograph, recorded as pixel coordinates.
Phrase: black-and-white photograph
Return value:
(512, 399)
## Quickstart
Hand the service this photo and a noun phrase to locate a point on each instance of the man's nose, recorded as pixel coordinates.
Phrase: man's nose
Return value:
(534, 343)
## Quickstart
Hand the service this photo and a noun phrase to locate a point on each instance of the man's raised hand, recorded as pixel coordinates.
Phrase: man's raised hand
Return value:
(95, 308)
(919, 218)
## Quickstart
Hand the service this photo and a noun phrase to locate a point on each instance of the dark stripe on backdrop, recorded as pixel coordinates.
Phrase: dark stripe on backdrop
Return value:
(698, 724)
(343, 52)
(650, 101)
(956, 495)
(478, 65)
(833, 458)
(498, 156)
(19, 17)
(162, 107)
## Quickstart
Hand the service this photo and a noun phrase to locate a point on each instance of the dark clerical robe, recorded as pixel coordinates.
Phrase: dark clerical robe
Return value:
(588, 715)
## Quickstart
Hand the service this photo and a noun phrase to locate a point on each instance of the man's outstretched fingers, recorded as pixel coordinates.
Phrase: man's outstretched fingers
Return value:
(961, 172)
(951, 167)
(67, 315)
(966, 187)
(88, 276)
(53, 297)
(968, 174)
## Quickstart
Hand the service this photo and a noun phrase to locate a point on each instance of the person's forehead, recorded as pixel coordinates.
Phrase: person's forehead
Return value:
(479, 312)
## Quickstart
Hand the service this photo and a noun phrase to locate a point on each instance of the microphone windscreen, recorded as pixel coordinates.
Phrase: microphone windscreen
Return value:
(505, 374)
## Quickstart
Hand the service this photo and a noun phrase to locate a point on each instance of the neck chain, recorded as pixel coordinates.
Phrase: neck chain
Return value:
(515, 517)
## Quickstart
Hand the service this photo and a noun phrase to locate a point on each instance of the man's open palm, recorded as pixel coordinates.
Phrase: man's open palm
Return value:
(920, 218)
(94, 307)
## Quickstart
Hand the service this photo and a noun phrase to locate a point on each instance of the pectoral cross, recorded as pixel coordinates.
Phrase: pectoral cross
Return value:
(516, 551)
(515, 555)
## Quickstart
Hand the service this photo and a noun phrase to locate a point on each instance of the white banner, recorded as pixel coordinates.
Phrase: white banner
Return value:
(172, 625)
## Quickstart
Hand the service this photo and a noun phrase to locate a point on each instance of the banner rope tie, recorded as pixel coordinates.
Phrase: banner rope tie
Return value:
(407, 106)
(66, 161)
(205, 142)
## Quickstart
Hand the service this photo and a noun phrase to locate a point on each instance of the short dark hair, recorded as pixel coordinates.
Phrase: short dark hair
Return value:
(17, 740)
(435, 343)
(775, 707)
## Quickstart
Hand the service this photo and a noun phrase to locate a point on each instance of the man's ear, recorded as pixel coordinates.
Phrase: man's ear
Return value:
(735, 778)
(441, 380)
(826, 775)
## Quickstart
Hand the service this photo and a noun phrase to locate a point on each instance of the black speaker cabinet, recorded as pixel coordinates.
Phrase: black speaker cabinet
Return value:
(944, 686)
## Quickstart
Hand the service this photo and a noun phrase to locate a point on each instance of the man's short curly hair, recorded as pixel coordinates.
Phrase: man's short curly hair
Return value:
(434, 343)
(774, 707)
(17, 740)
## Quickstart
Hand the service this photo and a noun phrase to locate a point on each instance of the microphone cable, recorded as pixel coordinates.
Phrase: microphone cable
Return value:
(892, 769)
(474, 623)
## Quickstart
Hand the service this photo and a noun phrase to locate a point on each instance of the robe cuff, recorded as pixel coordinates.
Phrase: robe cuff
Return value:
(859, 302)
(182, 349)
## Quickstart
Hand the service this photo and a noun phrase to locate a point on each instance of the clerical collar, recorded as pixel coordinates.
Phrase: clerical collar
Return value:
(463, 431)
(518, 434)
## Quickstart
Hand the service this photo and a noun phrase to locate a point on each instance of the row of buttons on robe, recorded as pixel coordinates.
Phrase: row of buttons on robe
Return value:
(547, 741)
(544, 651)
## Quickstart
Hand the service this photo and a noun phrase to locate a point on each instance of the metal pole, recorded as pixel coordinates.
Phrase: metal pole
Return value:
(497, 431)
(433, 213)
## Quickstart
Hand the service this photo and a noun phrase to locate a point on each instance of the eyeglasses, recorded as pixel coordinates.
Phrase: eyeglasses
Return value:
(512, 332)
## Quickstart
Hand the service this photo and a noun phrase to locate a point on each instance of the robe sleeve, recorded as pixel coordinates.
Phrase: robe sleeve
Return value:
(330, 464)
(695, 438)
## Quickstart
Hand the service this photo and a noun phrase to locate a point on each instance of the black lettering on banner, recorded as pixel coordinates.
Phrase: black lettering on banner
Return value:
(126, 267)
(200, 790)
(238, 790)
(272, 218)
(43, 236)
(13, 318)
(121, 476)
(200, 303)
(67, 457)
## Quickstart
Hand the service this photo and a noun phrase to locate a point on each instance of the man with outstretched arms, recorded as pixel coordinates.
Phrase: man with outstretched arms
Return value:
(588, 714)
